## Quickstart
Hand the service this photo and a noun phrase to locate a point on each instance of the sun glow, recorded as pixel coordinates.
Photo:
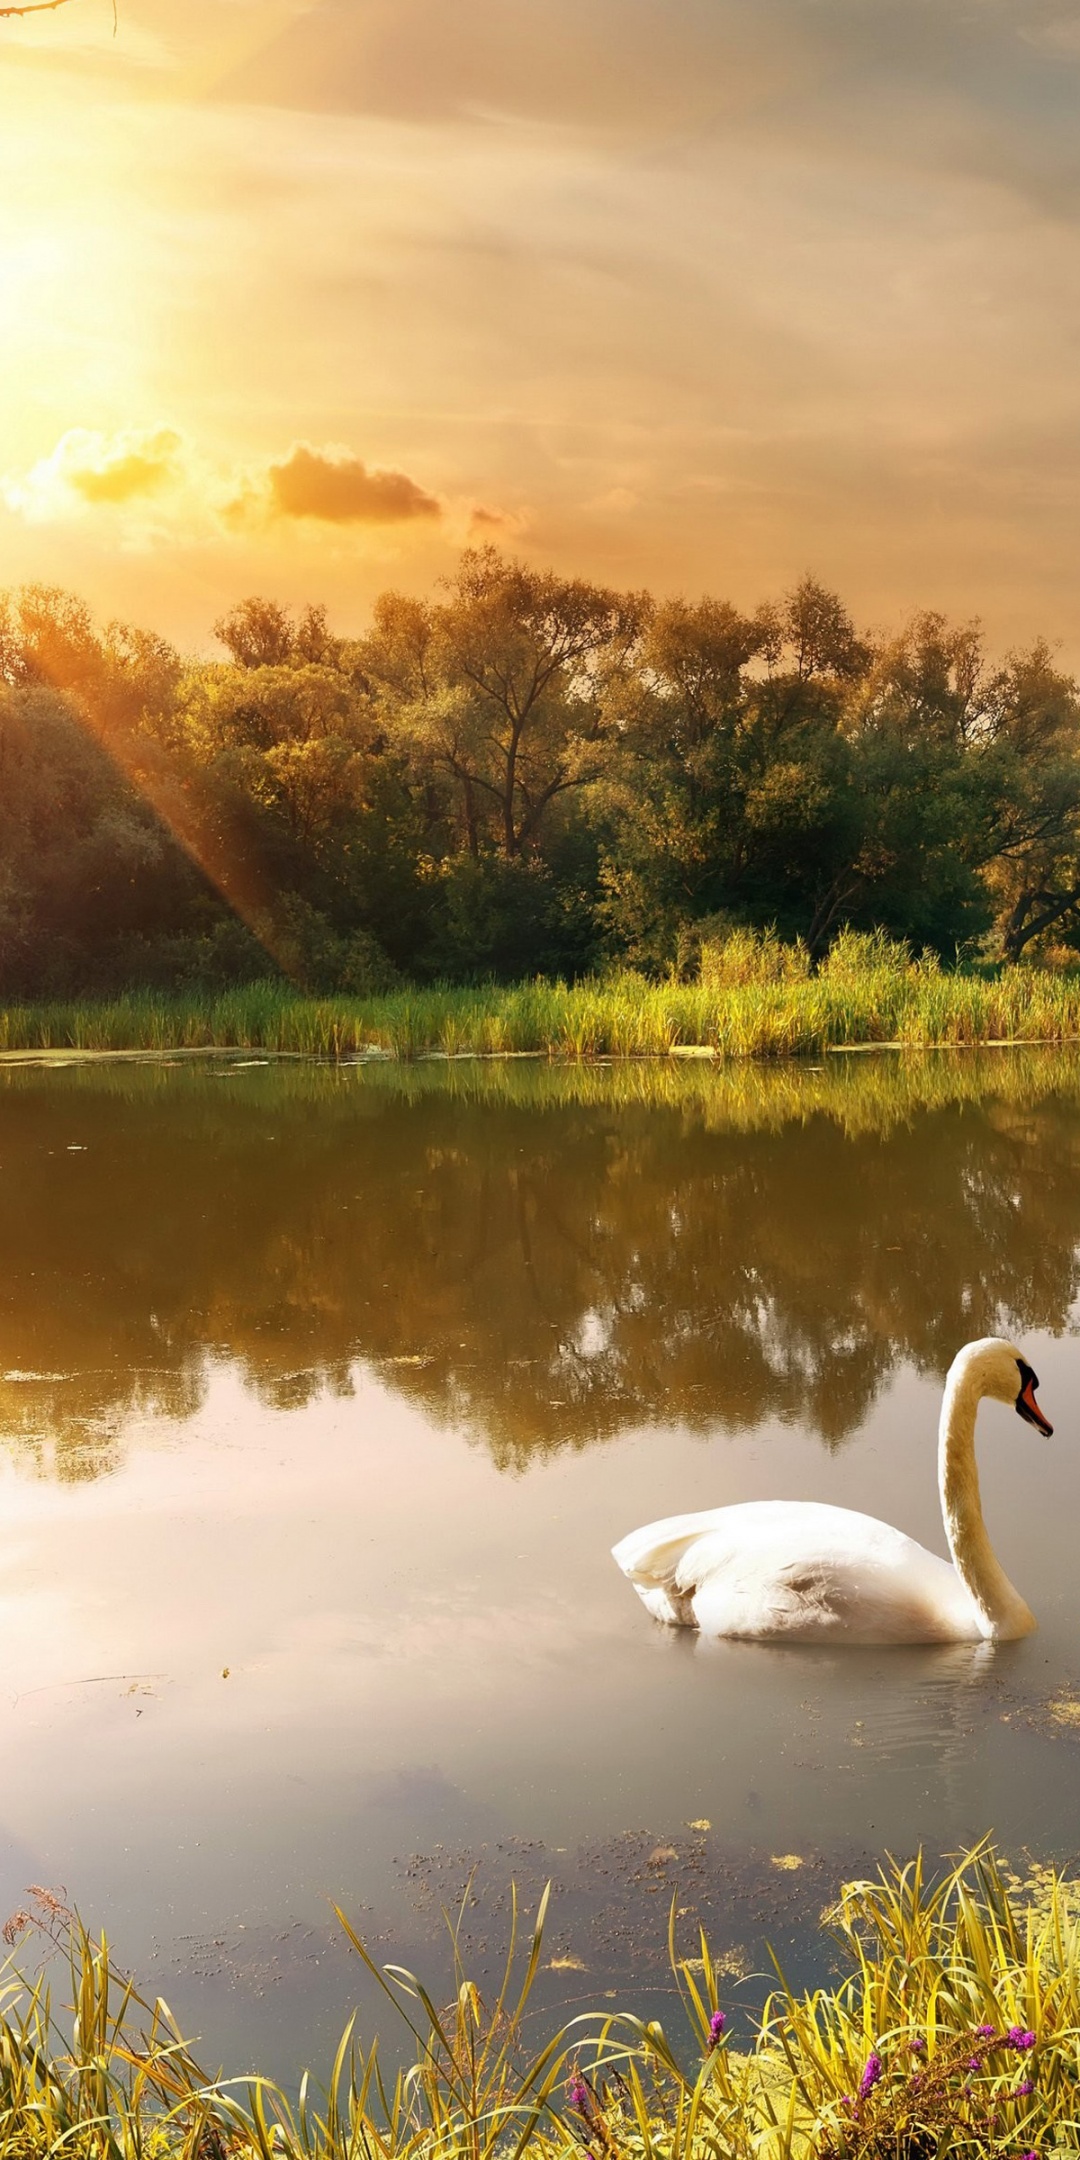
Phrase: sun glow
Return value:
(678, 319)
(74, 307)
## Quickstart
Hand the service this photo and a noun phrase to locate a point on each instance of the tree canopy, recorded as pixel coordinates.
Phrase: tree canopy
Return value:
(523, 774)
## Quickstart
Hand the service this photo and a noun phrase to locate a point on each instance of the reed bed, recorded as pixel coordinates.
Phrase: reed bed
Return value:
(619, 1016)
(955, 2030)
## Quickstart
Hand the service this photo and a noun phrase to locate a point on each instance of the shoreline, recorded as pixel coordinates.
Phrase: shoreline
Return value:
(239, 1054)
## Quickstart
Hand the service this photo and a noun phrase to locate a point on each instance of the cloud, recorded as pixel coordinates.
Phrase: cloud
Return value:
(121, 470)
(338, 488)
(88, 467)
(581, 60)
(482, 521)
(649, 62)
(160, 486)
(983, 86)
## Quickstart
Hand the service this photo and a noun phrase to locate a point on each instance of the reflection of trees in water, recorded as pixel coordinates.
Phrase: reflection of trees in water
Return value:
(541, 1260)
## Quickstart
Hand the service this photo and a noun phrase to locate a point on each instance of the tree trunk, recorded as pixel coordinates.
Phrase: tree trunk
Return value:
(510, 838)
(824, 918)
(472, 837)
(1024, 924)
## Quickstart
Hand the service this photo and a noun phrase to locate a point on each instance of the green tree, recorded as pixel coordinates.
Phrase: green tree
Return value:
(310, 815)
(497, 780)
(731, 784)
(504, 689)
(1001, 750)
(781, 769)
(261, 633)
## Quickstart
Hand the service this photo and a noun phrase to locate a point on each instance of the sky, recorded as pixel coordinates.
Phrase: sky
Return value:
(298, 297)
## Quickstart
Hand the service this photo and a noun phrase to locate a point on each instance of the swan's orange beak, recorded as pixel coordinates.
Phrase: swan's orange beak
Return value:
(1026, 1405)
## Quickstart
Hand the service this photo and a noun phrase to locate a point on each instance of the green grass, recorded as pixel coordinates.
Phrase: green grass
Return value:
(620, 1016)
(905, 2058)
(755, 998)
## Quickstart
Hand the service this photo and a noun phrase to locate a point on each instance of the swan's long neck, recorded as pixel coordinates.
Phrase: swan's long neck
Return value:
(1001, 1610)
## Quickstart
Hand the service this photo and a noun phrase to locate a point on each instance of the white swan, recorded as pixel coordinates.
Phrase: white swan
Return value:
(796, 1571)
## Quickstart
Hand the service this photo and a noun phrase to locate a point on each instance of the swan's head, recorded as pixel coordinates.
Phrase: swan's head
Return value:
(999, 1369)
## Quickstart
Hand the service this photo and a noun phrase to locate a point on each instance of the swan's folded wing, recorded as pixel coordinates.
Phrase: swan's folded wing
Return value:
(798, 1570)
(854, 1579)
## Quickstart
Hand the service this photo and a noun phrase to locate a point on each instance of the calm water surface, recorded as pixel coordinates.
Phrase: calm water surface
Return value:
(325, 1393)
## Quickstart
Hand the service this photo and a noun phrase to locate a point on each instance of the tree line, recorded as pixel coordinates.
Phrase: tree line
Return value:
(524, 774)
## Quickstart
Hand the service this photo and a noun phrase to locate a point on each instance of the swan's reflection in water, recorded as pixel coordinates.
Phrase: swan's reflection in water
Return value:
(343, 1384)
(852, 1716)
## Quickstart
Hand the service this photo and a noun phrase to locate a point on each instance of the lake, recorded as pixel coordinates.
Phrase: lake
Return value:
(326, 1391)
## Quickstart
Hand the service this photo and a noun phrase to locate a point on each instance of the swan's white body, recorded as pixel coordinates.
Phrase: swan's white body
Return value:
(796, 1571)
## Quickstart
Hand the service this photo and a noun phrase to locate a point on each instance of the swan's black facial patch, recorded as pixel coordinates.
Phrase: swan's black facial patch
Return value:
(1026, 1405)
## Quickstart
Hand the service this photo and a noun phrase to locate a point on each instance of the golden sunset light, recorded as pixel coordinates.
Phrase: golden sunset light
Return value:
(539, 1079)
(681, 292)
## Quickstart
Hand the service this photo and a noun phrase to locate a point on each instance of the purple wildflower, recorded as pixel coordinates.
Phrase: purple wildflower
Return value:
(717, 2023)
(870, 2076)
(1021, 2091)
(1029, 2156)
(986, 2032)
(918, 2045)
(974, 2062)
(578, 2094)
(1017, 2038)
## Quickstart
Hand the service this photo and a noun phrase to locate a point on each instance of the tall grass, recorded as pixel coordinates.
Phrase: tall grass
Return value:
(753, 1000)
(956, 2030)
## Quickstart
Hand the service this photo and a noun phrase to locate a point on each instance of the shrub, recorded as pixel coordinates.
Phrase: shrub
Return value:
(956, 2031)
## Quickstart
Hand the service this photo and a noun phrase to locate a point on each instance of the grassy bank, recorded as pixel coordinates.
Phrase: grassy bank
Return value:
(617, 1016)
(956, 2030)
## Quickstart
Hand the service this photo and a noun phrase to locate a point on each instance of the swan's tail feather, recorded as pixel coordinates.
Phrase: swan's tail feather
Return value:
(650, 1559)
(663, 1605)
